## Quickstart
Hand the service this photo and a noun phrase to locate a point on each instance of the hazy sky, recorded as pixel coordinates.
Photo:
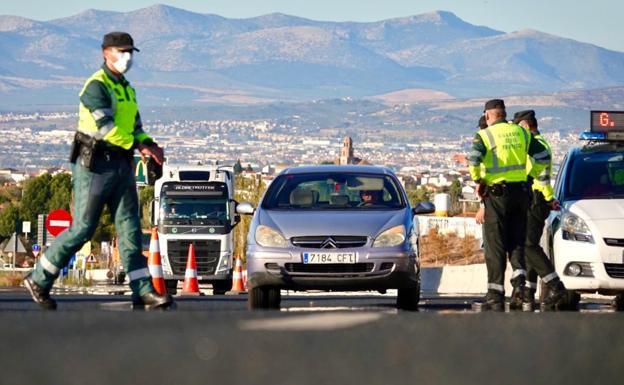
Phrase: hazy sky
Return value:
(599, 22)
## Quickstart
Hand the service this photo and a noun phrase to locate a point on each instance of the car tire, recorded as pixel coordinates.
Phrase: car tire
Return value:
(172, 286)
(274, 298)
(221, 287)
(572, 300)
(408, 298)
(257, 298)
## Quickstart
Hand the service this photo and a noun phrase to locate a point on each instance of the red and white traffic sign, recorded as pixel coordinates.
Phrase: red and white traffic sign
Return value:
(58, 221)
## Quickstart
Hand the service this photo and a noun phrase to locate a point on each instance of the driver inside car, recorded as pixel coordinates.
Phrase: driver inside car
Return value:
(371, 197)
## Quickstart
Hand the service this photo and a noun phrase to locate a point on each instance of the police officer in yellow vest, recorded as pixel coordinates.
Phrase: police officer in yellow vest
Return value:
(502, 148)
(542, 203)
(109, 130)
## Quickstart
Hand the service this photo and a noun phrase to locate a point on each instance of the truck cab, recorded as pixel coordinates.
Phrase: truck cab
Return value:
(193, 204)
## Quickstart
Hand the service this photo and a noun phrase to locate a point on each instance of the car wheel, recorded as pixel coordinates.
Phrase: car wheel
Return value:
(618, 302)
(172, 286)
(408, 298)
(572, 300)
(257, 298)
(221, 287)
(274, 298)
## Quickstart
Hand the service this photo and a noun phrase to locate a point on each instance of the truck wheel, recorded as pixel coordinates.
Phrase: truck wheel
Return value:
(257, 298)
(172, 286)
(221, 287)
(274, 298)
(408, 298)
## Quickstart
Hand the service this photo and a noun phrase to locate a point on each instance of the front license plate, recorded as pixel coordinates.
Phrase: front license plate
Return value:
(329, 257)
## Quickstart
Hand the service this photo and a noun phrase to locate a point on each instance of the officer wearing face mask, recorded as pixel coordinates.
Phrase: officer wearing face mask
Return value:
(109, 130)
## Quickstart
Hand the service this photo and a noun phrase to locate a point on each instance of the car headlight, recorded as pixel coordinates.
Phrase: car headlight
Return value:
(268, 237)
(575, 229)
(391, 237)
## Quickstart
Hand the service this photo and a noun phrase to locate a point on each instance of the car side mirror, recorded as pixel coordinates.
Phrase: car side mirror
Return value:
(245, 208)
(423, 208)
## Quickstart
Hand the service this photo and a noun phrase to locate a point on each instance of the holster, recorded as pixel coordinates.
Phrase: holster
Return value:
(84, 147)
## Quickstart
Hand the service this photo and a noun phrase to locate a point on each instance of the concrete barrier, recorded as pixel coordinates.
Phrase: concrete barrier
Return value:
(464, 279)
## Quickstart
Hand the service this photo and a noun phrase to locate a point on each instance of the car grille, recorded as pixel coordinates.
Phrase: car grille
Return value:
(614, 242)
(615, 270)
(206, 255)
(329, 268)
(329, 242)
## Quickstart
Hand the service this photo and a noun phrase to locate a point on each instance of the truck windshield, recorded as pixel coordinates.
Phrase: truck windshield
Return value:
(596, 176)
(194, 210)
(333, 191)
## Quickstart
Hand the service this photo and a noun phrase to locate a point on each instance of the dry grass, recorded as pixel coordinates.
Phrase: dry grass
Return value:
(11, 278)
(448, 249)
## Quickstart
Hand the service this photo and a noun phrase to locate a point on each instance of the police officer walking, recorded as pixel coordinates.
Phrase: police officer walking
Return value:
(543, 201)
(502, 149)
(109, 129)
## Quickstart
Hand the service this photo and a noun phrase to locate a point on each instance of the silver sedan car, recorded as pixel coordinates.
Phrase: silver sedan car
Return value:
(333, 228)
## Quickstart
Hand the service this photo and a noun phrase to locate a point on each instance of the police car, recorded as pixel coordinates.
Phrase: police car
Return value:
(585, 239)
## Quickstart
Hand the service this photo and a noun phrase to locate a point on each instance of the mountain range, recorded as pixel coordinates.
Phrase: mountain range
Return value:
(192, 58)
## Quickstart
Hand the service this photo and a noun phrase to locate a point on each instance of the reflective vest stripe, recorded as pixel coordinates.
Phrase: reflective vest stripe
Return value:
(48, 266)
(138, 274)
(531, 285)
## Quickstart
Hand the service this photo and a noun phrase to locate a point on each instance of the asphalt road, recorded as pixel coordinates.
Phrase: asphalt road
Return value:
(318, 339)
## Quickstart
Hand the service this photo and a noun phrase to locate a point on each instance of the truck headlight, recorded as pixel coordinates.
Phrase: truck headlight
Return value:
(574, 228)
(268, 237)
(391, 237)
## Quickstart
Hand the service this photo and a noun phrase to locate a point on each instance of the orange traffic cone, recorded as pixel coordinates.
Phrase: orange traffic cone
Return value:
(245, 279)
(191, 286)
(154, 264)
(237, 277)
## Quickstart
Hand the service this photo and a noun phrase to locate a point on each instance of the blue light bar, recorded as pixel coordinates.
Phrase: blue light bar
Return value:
(587, 135)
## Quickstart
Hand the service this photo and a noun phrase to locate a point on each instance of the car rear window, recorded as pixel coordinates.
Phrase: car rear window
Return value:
(596, 176)
(333, 191)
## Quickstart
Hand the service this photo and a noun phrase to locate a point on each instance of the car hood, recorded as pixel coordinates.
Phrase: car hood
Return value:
(306, 223)
(598, 209)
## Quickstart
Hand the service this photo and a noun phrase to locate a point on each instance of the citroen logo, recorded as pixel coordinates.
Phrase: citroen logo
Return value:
(329, 243)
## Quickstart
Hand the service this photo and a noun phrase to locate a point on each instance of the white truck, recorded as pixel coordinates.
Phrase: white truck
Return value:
(195, 204)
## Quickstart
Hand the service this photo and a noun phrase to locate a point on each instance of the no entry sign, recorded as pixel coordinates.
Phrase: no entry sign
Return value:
(58, 221)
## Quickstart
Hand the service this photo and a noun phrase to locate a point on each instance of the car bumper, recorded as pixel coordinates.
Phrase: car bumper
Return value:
(594, 258)
(389, 270)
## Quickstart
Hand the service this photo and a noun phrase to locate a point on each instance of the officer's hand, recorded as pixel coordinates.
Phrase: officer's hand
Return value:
(555, 205)
(480, 217)
(152, 150)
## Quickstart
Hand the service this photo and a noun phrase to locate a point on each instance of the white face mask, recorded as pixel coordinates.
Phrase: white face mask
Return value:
(124, 62)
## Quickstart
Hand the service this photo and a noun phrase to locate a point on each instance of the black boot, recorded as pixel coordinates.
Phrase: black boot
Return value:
(517, 298)
(556, 298)
(152, 300)
(529, 299)
(40, 295)
(492, 302)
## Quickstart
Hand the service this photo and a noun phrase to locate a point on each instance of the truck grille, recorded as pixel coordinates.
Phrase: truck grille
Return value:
(207, 254)
(329, 242)
(614, 242)
(615, 270)
(336, 268)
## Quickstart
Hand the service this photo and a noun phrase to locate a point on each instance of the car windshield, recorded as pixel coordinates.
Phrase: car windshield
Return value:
(596, 176)
(333, 191)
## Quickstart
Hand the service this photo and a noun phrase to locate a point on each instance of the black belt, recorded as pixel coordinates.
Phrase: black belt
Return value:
(500, 189)
(107, 153)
